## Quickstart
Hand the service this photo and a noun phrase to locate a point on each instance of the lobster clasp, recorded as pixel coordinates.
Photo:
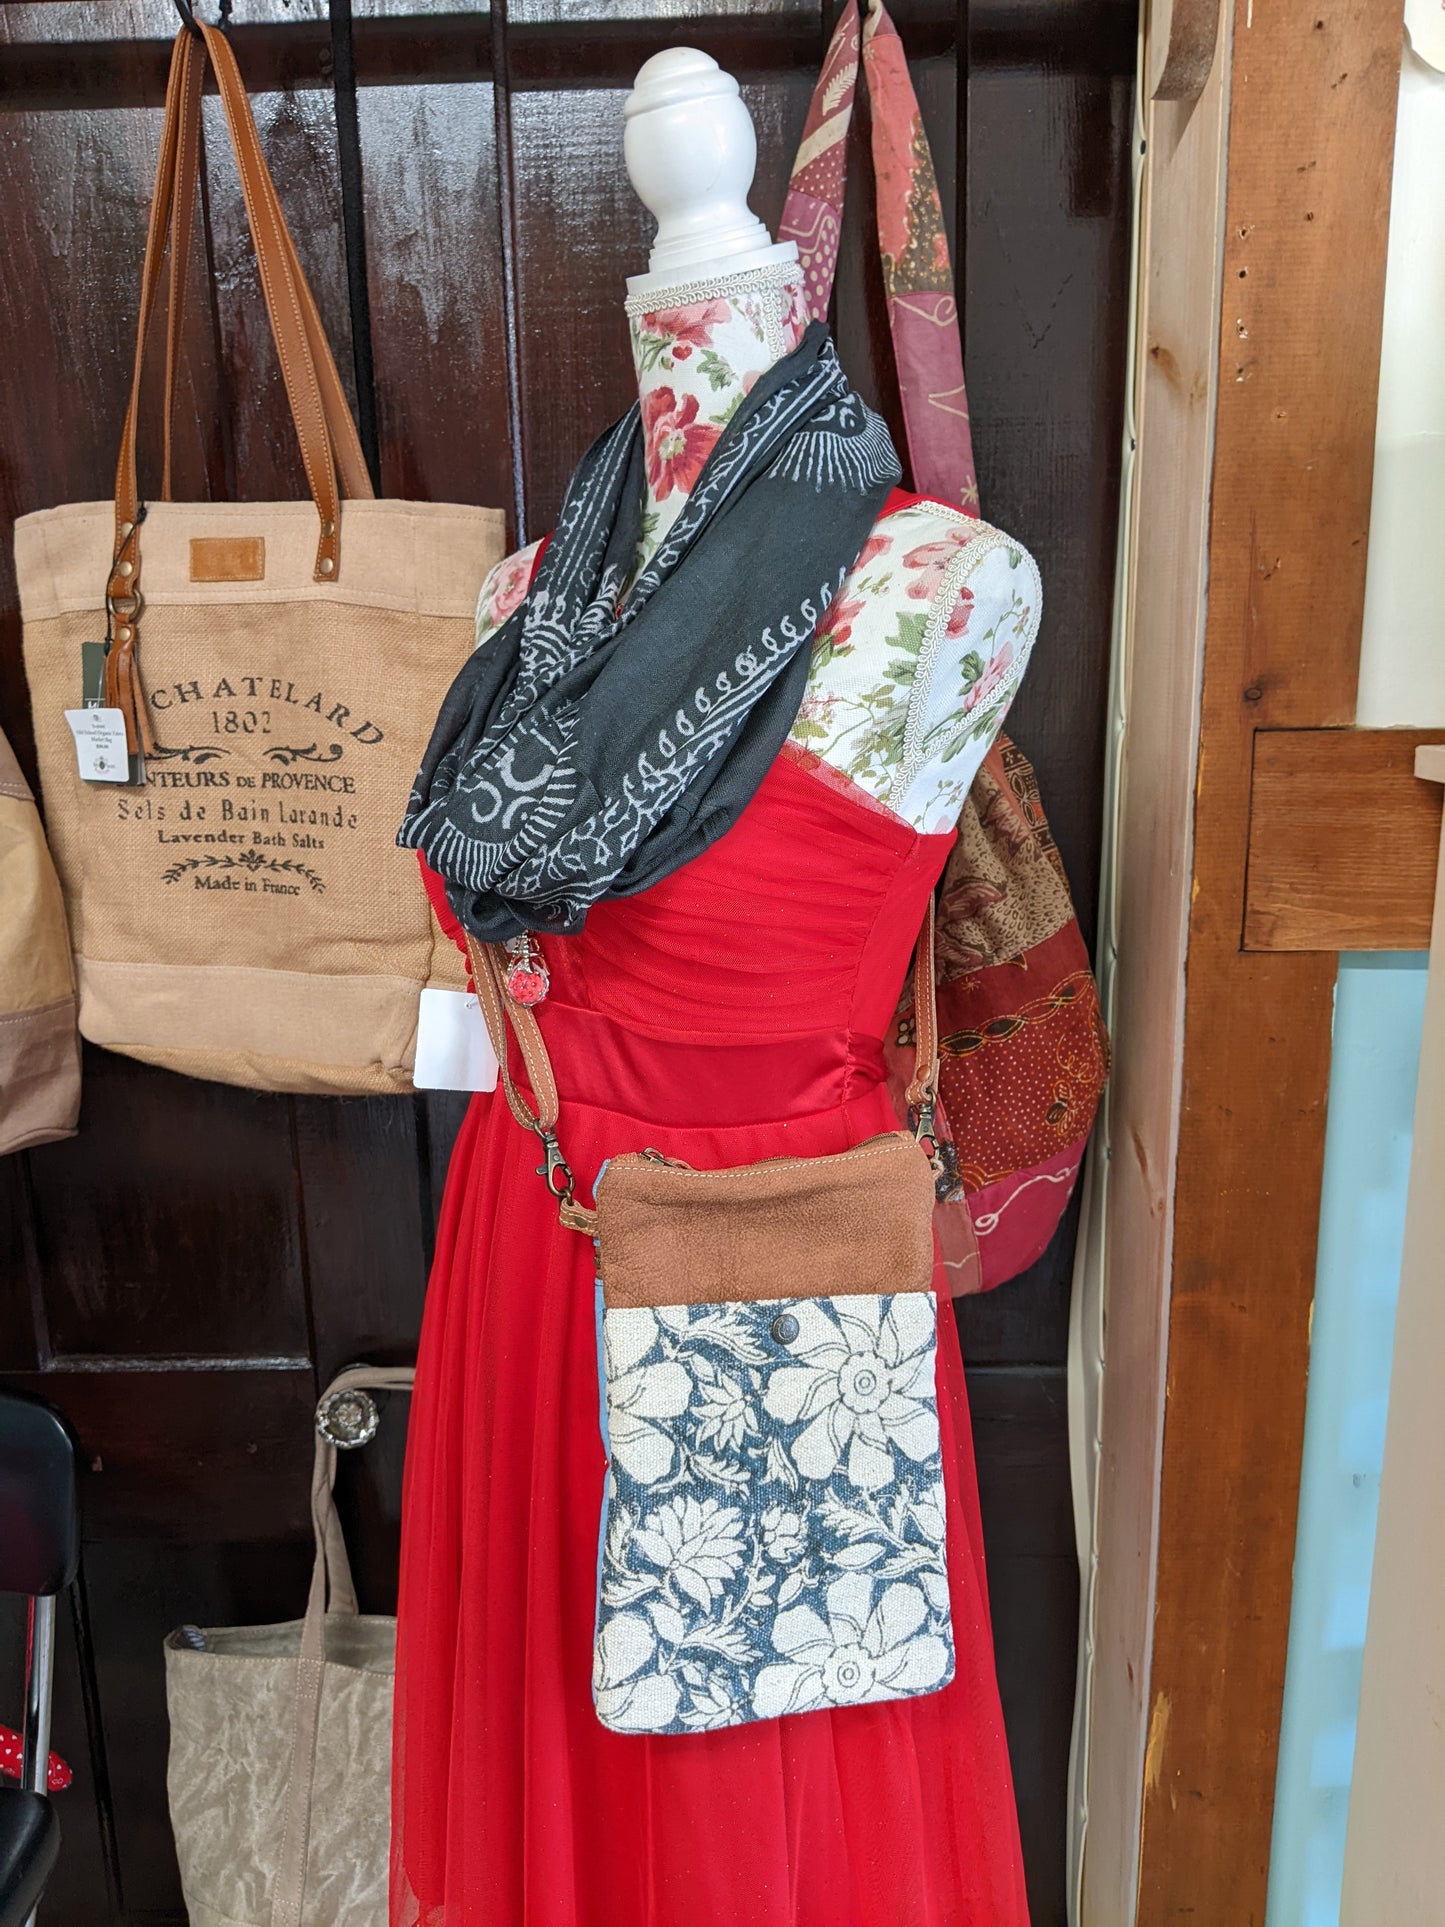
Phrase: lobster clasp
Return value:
(925, 1133)
(555, 1171)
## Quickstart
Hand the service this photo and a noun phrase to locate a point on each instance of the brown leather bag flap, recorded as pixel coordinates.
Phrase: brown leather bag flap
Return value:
(786, 1228)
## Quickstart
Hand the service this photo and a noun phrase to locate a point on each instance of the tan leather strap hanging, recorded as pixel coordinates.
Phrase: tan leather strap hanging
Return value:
(330, 450)
(501, 1011)
(345, 441)
(123, 599)
(185, 178)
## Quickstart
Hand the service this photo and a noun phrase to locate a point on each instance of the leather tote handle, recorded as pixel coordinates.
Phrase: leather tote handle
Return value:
(330, 450)
(502, 1011)
(917, 275)
(123, 599)
(346, 443)
(331, 1573)
(294, 317)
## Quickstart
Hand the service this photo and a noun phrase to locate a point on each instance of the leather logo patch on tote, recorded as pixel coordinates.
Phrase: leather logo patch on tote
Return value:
(228, 558)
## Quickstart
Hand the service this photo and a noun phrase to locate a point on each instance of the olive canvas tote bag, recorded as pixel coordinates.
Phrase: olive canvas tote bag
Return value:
(280, 1758)
(231, 700)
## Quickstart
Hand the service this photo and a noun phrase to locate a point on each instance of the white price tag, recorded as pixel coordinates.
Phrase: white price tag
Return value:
(99, 744)
(453, 1050)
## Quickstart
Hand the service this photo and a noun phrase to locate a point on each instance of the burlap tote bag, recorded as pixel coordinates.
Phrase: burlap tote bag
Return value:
(238, 908)
(280, 1761)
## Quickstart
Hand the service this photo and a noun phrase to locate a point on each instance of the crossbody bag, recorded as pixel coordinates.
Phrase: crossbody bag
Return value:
(772, 1537)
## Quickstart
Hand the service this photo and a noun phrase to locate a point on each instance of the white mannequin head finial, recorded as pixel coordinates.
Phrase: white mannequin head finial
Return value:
(690, 152)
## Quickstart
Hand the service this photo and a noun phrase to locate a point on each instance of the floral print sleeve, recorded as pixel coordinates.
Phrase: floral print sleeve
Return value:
(918, 659)
(504, 589)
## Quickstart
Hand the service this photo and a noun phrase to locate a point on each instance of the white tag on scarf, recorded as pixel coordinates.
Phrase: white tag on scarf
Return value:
(453, 1050)
(99, 744)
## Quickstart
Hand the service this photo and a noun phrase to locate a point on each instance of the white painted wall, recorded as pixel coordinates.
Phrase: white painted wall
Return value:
(1402, 661)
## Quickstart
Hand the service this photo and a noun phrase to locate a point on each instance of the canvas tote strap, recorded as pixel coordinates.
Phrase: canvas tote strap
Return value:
(917, 276)
(502, 1011)
(331, 1573)
(330, 452)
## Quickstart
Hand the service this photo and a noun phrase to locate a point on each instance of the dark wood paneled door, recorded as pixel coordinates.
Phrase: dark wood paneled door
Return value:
(182, 1276)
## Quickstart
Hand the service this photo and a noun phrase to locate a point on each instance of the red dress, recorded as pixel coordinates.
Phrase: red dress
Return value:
(732, 1012)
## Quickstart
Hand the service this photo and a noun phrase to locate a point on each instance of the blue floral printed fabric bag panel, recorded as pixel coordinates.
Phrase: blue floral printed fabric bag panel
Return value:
(773, 1528)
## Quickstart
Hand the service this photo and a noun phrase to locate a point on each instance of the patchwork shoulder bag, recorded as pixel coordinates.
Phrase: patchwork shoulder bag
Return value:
(833, 1512)
(1024, 1049)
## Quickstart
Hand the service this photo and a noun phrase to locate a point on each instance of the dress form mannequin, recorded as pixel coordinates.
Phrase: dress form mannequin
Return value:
(733, 1012)
(918, 658)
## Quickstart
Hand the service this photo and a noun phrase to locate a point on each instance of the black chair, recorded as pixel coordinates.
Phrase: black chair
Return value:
(39, 1553)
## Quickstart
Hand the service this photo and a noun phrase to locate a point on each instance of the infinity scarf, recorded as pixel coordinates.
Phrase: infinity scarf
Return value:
(604, 737)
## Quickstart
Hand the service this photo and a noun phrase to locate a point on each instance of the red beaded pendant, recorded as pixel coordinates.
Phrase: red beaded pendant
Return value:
(528, 978)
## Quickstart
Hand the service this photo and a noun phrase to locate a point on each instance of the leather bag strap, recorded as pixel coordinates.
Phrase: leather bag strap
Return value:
(917, 275)
(123, 597)
(185, 180)
(341, 424)
(503, 1013)
(923, 1090)
(330, 1575)
(330, 450)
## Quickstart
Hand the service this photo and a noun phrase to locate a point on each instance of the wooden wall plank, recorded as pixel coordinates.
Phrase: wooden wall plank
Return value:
(1343, 838)
(78, 188)
(1312, 119)
(366, 1247)
(136, 1220)
(21, 1344)
(1020, 1430)
(434, 262)
(1045, 366)
(181, 1457)
(1122, 1284)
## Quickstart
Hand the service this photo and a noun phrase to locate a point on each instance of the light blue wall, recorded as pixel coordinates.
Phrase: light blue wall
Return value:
(1379, 1008)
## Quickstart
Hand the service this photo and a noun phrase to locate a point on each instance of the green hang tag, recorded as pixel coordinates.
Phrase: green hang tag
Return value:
(92, 696)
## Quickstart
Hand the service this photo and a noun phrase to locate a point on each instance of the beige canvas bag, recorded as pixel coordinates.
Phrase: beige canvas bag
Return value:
(243, 913)
(39, 1050)
(280, 1763)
